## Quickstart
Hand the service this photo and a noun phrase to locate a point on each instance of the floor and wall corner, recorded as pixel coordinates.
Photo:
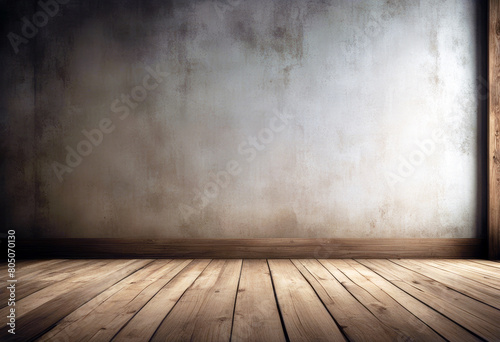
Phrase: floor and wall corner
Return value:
(229, 170)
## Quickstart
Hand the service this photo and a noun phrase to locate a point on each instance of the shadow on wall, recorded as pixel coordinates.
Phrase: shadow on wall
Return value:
(239, 119)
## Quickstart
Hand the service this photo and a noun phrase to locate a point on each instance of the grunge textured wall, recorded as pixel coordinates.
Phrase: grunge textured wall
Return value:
(243, 118)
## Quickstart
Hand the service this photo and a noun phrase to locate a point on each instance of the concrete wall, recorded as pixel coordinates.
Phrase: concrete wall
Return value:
(243, 119)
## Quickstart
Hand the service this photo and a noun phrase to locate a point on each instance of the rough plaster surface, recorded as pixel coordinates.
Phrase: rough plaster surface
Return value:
(321, 118)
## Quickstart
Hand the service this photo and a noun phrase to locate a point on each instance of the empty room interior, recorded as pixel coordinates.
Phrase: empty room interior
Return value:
(250, 170)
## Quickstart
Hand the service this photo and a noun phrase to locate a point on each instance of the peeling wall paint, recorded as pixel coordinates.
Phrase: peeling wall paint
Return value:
(245, 119)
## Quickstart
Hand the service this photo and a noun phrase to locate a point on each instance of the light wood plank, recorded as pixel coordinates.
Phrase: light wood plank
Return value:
(106, 319)
(130, 300)
(448, 276)
(143, 325)
(456, 281)
(476, 267)
(485, 287)
(304, 316)
(35, 267)
(108, 330)
(380, 303)
(256, 316)
(83, 310)
(205, 311)
(26, 268)
(357, 322)
(493, 264)
(40, 279)
(436, 321)
(38, 298)
(41, 318)
(469, 313)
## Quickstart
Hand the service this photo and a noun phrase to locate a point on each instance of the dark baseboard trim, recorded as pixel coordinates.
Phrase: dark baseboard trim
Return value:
(251, 248)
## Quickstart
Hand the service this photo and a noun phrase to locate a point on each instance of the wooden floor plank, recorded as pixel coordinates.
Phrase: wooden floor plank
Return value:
(143, 325)
(45, 267)
(436, 321)
(494, 264)
(479, 276)
(461, 280)
(47, 293)
(84, 310)
(304, 315)
(29, 268)
(47, 277)
(356, 321)
(380, 303)
(30, 265)
(205, 311)
(147, 291)
(256, 316)
(42, 317)
(106, 319)
(469, 313)
(476, 268)
(256, 300)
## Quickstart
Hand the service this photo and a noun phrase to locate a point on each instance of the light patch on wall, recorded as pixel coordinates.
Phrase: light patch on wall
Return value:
(366, 85)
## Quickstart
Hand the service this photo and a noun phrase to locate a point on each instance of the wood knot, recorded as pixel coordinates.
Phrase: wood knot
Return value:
(497, 28)
(496, 160)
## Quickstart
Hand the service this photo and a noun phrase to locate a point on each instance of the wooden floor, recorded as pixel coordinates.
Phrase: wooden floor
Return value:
(255, 300)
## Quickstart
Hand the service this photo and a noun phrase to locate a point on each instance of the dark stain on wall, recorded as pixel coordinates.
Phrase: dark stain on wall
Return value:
(91, 53)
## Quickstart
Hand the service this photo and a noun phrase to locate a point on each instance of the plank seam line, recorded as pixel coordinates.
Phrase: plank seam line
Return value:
(135, 314)
(409, 294)
(235, 300)
(319, 297)
(276, 302)
(353, 296)
(187, 288)
(42, 332)
(448, 287)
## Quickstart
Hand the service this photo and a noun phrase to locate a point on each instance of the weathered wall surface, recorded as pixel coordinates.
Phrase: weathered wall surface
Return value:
(243, 119)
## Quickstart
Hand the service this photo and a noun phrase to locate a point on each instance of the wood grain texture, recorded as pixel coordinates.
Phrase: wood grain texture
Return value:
(468, 286)
(48, 293)
(436, 321)
(256, 316)
(205, 311)
(34, 280)
(304, 315)
(355, 320)
(476, 267)
(494, 130)
(493, 264)
(473, 276)
(43, 316)
(107, 318)
(260, 300)
(252, 248)
(143, 325)
(475, 316)
(382, 305)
